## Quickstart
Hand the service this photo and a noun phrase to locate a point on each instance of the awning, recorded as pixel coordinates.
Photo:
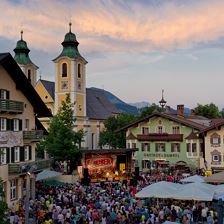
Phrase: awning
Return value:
(193, 179)
(47, 174)
(162, 189)
(215, 178)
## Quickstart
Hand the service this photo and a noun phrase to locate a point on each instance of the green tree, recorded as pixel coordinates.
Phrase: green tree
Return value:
(3, 205)
(208, 110)
(62, 143)
(110, 136)
(146, 111)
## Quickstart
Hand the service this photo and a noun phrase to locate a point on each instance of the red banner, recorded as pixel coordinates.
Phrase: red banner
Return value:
(102, 162)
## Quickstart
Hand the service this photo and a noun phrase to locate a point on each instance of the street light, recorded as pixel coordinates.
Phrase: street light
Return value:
(27, 199)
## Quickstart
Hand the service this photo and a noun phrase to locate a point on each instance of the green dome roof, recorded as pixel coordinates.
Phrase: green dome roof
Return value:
(21, 44)
(22, 52)
(70, 46)
(70, 37)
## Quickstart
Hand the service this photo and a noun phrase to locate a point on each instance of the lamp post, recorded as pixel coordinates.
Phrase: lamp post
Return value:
(27, 199)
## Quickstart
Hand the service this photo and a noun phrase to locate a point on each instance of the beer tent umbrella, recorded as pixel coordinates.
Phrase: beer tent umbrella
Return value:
(215, 178)
(195, 191)
(193, 179)
(162, 189)
(219, 192)
(47, 174)
(219, 189)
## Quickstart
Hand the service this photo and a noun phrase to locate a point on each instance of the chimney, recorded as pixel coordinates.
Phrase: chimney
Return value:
(180, 110)
(192, 112)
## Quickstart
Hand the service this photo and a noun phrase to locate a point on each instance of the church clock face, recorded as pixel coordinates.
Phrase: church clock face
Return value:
(64, 84)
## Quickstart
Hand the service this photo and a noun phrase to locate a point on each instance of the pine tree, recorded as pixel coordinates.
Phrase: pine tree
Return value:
(62, 143)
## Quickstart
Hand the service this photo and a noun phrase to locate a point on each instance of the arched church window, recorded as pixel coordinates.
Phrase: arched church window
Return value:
(64, 70)
(29, 74)
(79, 70)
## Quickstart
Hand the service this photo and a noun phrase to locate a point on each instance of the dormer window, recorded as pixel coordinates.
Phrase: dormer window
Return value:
(79, 71)
(215, 139)
(145, 131)
(4, 94)
(29, 74)
(176, 130)
(159, 129)
(64, 70)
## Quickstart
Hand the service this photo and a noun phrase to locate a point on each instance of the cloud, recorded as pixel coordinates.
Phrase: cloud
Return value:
(114, 25)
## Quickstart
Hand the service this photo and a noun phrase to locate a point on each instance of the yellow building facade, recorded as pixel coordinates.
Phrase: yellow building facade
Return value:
(20, 130)
(91, 107)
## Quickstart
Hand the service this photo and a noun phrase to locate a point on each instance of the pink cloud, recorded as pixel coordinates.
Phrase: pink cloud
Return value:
(109, 27)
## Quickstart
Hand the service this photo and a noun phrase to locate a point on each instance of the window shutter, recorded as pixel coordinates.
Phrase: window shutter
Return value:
(142, 147)
(12, 155)
(7, 95)
(20, 125)
(22, 154)
(7, 155)
(12, 125)
(148, 147)
(9, 124)
(220, 159)
(142, 164)
(0, 124)
(30, 152)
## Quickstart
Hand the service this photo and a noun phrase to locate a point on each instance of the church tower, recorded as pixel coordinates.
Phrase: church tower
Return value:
(70, 76)
(23, 60)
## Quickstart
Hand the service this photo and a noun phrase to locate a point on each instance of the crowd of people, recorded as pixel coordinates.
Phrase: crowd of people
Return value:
(109, 203)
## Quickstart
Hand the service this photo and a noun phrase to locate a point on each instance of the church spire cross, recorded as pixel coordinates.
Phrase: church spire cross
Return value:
(70, 27)
(21, 32)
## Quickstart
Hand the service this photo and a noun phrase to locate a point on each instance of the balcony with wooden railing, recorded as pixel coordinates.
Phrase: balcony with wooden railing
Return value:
(160, 137)
(33, 135)
(24, 167)
(11, 106)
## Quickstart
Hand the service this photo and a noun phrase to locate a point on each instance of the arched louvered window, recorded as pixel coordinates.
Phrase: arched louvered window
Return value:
(29, 75)
(79, 71)
(64, 70)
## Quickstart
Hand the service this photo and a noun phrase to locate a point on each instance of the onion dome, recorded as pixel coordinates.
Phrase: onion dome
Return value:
(70, 46)
(22, 52)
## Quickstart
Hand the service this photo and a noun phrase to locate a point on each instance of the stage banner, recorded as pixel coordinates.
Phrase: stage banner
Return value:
(10, 138)
(100, 163)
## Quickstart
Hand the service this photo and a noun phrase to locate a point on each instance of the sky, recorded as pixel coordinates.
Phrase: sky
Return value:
(134, 48)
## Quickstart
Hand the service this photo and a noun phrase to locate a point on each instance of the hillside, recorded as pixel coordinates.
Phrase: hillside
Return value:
(140, 105)
(121, 105)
